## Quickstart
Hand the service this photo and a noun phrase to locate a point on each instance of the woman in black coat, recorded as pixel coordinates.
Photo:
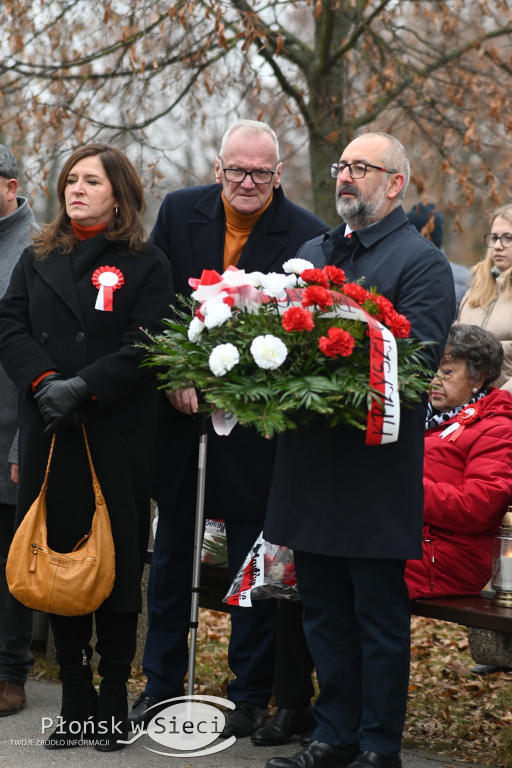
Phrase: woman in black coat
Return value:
(78, 305)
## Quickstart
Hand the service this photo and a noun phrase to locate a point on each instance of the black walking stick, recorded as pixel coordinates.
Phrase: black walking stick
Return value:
(198, 544)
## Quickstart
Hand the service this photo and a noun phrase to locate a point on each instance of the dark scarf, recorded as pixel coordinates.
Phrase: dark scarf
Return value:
(435, 418)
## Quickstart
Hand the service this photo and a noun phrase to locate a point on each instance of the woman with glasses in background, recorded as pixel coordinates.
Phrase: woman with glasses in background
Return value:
(488, 302)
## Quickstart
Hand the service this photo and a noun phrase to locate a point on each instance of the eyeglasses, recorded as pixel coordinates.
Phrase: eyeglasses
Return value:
(239, 174)
(356, 170)
(491, 240)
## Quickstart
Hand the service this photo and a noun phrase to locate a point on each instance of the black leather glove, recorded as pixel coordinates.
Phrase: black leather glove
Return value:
(60, 400)
(44, 383)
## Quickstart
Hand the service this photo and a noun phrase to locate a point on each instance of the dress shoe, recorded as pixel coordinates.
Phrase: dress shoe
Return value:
(243, 720)
(12, 698)
(316, 754)
(144, 709)
(374, 760)
(285, 724)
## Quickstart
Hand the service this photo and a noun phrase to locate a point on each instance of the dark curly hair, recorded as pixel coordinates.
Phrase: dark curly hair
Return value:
(481, 350)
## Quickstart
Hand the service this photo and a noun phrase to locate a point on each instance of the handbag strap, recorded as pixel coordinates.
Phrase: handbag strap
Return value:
(45, 481)
(97, 488)
(91, 465)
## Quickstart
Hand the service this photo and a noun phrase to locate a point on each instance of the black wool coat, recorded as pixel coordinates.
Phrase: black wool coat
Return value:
(332, 494)
(190, 230)
(48, 321)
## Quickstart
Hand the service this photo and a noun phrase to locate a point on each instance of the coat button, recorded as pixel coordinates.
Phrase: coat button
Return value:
(80, 336)
(44, 337)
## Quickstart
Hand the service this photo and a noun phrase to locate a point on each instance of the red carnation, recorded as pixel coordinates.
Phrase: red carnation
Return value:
(335, 275)
(356, 292)
(314, 276)
(398, 324)
(337, 342)
(384, 304)
(297, 319)
(315, 294)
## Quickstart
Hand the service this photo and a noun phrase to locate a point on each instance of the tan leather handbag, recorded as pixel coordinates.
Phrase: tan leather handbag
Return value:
(70, 584)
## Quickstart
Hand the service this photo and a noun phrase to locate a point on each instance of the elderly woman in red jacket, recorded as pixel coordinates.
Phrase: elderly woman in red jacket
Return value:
(467, 469)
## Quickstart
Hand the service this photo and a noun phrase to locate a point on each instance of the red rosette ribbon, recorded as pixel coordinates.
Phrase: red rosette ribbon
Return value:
(106, 280)
(468, 415)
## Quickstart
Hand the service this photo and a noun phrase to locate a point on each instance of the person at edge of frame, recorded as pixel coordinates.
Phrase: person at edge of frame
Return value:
(17, 223)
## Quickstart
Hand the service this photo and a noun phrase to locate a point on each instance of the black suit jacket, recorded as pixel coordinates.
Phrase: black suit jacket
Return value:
(190, 229)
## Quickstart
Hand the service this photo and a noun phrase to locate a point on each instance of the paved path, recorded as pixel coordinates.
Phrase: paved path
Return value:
(20, 747)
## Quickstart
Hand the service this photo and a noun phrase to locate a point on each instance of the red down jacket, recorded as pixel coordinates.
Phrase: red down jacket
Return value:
(468, 486)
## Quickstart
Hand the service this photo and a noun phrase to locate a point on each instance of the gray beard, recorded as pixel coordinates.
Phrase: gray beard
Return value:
(357, 213)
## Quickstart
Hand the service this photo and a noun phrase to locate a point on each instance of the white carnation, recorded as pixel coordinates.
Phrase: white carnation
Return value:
(297, 265)
(268, 351)
(223, 358)
(195, 329)
(216, 313)
(255, 279)
(275, 284)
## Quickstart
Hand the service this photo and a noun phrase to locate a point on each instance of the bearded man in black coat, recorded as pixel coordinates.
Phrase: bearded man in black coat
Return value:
(352, 512)
(245, 220)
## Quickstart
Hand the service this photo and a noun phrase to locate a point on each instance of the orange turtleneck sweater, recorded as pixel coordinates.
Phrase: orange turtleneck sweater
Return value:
(238, 229)
(84, 233)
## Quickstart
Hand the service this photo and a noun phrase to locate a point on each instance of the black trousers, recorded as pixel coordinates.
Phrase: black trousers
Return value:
(293, 687)
(357, 624)
(251, 645)
(15, 620)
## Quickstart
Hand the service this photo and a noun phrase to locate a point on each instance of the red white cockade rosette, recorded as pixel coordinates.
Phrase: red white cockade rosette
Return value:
(466, 416)
(236, 289)
(106, 280)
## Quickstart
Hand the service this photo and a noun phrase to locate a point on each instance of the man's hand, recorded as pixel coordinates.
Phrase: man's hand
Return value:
(184, 400)
(15, 473)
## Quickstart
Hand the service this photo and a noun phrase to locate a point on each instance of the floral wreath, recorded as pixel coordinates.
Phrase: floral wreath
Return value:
(279, 350)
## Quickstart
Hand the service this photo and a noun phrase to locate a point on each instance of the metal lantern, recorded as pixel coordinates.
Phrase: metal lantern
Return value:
(502, 563)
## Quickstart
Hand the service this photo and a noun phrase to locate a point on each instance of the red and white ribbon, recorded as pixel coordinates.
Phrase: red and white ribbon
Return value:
(106, 280)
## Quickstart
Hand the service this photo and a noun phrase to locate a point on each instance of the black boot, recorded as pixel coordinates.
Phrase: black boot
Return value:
(117, 637)
(112, 716)
(79, 701)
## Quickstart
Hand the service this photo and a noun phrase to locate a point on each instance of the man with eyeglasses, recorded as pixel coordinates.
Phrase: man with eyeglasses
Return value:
(353, 513)
(244, 220)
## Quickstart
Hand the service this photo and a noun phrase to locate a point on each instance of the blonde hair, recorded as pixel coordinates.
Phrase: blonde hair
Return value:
(483, 286)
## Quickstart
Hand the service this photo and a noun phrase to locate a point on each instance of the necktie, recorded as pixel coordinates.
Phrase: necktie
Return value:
(344, 250)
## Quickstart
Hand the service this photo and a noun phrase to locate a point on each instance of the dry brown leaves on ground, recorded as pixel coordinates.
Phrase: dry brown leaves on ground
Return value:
(451, 711)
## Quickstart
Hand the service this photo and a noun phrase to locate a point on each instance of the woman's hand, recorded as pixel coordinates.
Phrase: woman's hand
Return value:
(59, 401)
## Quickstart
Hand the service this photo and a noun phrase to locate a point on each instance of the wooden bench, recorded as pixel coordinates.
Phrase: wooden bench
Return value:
(470, 611)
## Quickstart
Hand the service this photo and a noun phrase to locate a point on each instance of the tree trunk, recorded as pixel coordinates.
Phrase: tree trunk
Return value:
(328, 134)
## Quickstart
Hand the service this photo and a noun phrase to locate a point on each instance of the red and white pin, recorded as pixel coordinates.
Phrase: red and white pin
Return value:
(106, 280)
